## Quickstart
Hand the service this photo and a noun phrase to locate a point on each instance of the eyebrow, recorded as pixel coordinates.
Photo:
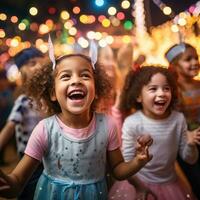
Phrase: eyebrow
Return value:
(151, 85)
(68, 71)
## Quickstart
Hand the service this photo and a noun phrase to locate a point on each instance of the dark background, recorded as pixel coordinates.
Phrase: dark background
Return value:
(20, 8)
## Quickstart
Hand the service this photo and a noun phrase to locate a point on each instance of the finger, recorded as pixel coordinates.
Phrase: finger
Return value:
(139, 140)
(198, 129)
(5, 187)
(2, 181)
(150, 142)
(4, 178)
(146, 150)
(197, 137)
(197, 142)
(138, 145)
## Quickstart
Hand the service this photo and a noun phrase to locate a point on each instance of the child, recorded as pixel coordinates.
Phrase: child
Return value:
(23, 117)
(152, 92)
(75, 142)
(106, 58)
(6, 103)
(184, 62)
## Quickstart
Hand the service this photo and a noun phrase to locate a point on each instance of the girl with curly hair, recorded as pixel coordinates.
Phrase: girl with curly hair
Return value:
(152, 92)
(74, 142)
(24, 116)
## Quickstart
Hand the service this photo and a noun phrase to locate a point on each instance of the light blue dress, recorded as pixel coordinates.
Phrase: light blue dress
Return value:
(74, 169)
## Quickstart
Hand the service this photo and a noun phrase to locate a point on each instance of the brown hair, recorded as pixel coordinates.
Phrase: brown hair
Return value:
(136, 80)
(41, 85)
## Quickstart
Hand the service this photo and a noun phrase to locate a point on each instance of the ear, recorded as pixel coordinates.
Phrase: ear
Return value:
(139, 99)
(53, 95)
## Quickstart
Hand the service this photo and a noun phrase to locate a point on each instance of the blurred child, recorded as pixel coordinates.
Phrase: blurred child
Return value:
(24, 116)
(6, 103)
(125, 59)
(152, 91)
(75, 143)
(106, 58)
(184, 62)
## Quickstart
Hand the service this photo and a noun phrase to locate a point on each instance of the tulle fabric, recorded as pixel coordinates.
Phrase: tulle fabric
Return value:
(52, 189)
(122, 190)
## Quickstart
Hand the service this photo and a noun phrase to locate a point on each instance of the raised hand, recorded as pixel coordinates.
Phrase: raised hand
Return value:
(142, 148)
(193, 137)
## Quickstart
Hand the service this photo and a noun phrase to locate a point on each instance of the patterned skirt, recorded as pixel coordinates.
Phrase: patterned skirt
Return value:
(49, 188)
(174, 190)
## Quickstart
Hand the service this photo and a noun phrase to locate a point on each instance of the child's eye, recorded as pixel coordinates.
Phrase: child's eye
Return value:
(65, 76)
(167, 89)
(189, 58)
(85, 75)
(152, 89)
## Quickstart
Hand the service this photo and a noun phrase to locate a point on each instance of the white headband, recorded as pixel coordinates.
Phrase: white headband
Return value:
(51, 52)
(175, 51)
(93, 52)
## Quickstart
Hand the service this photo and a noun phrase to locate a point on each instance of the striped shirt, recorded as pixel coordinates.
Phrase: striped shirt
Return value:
(169, 139)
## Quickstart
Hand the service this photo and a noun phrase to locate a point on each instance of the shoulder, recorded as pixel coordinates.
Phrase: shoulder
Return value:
(49, 121)
(107, 119)
(177, 114)
(104, 117)
(133, 117)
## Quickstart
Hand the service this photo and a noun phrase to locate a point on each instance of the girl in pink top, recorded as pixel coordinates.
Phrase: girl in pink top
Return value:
(75, 143)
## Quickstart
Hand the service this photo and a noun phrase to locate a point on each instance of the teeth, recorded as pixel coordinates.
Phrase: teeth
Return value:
(76, 93)
(160, 102)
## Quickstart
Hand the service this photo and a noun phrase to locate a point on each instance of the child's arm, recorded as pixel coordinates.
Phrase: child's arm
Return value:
(123, 170)
(12, 184)
(6, 134)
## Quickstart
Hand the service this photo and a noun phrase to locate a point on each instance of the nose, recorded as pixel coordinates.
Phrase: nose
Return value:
(195, 61)
(75, 80)
(160, 92)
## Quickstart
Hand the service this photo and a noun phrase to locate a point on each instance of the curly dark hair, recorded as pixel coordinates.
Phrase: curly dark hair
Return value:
(41, 85)
(135, 80)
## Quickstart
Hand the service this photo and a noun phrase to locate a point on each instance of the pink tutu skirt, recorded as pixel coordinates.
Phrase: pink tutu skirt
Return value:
(122, 190)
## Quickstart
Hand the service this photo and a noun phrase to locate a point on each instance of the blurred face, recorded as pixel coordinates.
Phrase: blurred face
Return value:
(106, 57)
(30, 67)
(74, 86)
(155, 97)
(188, 64)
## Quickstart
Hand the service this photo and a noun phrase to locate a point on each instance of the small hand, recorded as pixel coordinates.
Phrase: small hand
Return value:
(4, 181)
(7, 188)
(145, 140)
(142, 148)
(193, 137)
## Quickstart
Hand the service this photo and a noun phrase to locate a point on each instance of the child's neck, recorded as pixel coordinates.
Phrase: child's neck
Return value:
(187, 83)
(75, 121)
